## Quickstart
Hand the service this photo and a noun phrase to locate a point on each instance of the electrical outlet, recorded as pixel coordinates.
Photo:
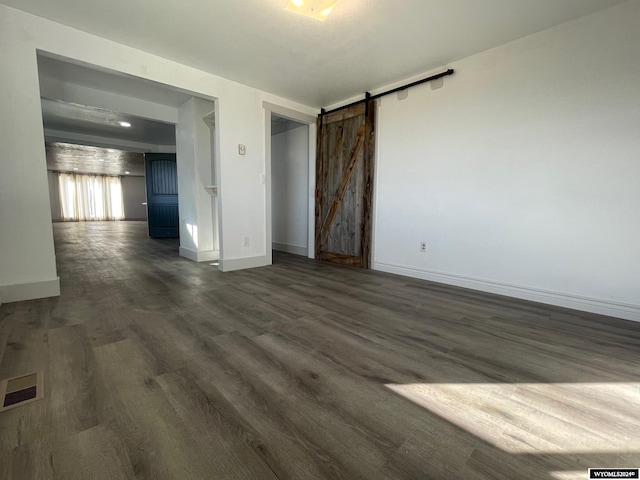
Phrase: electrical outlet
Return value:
(423, 247)
(246, 241)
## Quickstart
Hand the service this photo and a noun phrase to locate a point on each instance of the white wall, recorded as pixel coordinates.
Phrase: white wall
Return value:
(27, 259)
(193, 142)
(522, 173)
(134, 195)
(289, 190)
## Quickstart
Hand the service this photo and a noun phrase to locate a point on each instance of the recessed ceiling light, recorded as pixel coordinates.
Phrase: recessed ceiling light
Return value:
(75, 168)
(124, 124)
(126, 173)
(318, 9)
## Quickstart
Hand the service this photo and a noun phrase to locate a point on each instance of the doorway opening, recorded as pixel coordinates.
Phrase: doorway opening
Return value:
(289, 185)
(290, 181)
(111, 124)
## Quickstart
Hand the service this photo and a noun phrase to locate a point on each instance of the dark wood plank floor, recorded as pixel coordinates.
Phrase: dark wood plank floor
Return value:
(160, 368)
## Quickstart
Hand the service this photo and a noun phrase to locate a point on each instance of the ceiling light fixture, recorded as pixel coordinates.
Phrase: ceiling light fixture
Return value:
(318, 9)
(127, 173)
(124, 124)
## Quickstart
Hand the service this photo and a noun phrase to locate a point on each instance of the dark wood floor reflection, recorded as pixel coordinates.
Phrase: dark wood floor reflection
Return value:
(160, 368)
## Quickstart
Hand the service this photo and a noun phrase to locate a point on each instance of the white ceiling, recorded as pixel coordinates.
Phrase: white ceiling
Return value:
(69, 117)
(281, 124)
(363, 45)
(61, 118)
(109, 81)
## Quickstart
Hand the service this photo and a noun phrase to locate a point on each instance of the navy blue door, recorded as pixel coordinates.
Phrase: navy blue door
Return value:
(162, 194)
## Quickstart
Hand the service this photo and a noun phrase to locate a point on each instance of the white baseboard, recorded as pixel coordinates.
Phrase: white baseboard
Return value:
(295, 249)
(29, 291)
(231, 264)
(205, 256)
(626, 311)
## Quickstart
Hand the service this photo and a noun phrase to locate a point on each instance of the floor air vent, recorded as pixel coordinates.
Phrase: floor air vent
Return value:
(18, 391)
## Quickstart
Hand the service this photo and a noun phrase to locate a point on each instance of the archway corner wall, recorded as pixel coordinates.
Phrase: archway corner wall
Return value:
(27, 256)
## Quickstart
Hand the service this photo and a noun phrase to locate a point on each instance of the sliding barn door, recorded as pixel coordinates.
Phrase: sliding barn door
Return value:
(344, 185)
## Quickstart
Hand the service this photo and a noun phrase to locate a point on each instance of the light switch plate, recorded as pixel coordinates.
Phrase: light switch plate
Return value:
(242, 150)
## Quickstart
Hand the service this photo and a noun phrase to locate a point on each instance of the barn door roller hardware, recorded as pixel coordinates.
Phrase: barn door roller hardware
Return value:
(369, 97)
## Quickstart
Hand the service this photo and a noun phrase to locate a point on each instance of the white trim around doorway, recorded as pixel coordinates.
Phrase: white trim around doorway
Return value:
(309, 120)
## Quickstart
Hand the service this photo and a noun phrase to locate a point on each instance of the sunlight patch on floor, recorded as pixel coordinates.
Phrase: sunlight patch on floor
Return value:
(538, 417)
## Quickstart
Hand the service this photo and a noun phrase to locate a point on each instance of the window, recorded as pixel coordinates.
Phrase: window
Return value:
(90, 197)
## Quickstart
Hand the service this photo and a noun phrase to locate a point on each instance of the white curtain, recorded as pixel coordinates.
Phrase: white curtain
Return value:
(90, 197)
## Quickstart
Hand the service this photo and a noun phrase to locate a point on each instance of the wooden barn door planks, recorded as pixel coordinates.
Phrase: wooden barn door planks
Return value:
(344, 185)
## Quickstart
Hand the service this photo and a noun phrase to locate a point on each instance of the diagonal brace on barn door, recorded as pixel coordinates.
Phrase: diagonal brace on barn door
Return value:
(342, 187)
